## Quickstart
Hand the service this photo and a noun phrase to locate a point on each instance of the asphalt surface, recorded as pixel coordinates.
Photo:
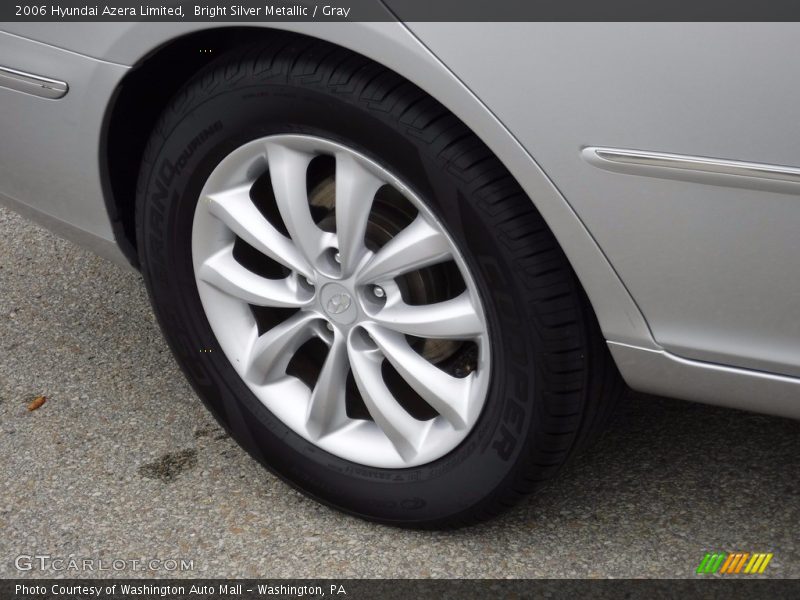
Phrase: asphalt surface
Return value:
(123, 462)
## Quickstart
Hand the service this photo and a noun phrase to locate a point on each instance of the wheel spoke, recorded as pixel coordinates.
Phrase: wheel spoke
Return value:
(287, 169)
(418, 245)
(451, 319)
(448, 395)
(235, 208)
(355, 191)
(404, 432)
(326, 410)
(272, 351)
(223, 272)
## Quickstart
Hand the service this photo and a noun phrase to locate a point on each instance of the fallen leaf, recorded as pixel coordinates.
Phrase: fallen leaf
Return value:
(37, 402)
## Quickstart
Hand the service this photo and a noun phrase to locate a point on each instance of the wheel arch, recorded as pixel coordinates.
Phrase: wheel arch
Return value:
(160, 72)
(134, 109)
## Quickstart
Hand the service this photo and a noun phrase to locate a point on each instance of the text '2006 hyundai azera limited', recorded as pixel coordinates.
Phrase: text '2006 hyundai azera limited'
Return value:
(410, 267)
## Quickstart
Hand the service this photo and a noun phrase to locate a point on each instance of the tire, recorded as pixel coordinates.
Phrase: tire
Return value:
(551, 383)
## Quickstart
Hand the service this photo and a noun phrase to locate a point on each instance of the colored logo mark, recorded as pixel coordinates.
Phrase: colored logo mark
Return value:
(731, 563)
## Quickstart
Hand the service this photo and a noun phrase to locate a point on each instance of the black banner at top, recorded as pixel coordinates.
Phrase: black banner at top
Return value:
(252, 11)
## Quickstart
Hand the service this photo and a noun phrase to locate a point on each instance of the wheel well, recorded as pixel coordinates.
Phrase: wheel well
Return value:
(137, 104)
(144, 93)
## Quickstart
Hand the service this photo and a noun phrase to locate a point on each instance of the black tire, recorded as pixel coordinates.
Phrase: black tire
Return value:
(553, 382)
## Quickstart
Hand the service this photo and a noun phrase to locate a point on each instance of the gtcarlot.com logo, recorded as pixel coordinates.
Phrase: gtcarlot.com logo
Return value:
(46, 562)
(733, 563)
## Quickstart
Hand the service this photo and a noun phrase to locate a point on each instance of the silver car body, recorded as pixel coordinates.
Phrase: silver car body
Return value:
(664, 157)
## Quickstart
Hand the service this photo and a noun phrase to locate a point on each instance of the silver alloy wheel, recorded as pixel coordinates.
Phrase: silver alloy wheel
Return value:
(346, 295)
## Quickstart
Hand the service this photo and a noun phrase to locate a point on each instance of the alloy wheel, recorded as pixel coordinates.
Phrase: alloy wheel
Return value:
(341, 301)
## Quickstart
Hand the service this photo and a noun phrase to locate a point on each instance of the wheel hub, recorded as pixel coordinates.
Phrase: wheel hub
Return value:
(338, 304)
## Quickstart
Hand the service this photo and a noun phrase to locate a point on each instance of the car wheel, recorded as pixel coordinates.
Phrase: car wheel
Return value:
(360, 292)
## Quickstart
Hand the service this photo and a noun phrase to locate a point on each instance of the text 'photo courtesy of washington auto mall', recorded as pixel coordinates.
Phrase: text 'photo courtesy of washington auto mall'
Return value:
(156, 590)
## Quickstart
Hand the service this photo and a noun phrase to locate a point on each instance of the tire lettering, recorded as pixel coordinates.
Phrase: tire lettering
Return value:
(506, 444)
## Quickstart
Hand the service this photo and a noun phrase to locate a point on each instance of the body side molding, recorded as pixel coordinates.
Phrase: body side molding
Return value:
(44, 87)
(697, 169)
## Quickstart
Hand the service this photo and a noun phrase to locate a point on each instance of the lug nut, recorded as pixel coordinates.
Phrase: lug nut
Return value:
(329, 325)
(309, 282)
(338, 258)
(378, 291)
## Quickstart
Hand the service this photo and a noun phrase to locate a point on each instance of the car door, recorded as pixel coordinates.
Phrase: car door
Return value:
(711, 259)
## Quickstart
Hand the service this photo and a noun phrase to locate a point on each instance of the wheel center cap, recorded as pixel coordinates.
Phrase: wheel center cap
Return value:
(338, 303)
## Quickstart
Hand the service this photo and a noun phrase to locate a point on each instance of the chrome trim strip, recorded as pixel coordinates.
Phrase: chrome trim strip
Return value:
(43, 87)
(698, 169)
